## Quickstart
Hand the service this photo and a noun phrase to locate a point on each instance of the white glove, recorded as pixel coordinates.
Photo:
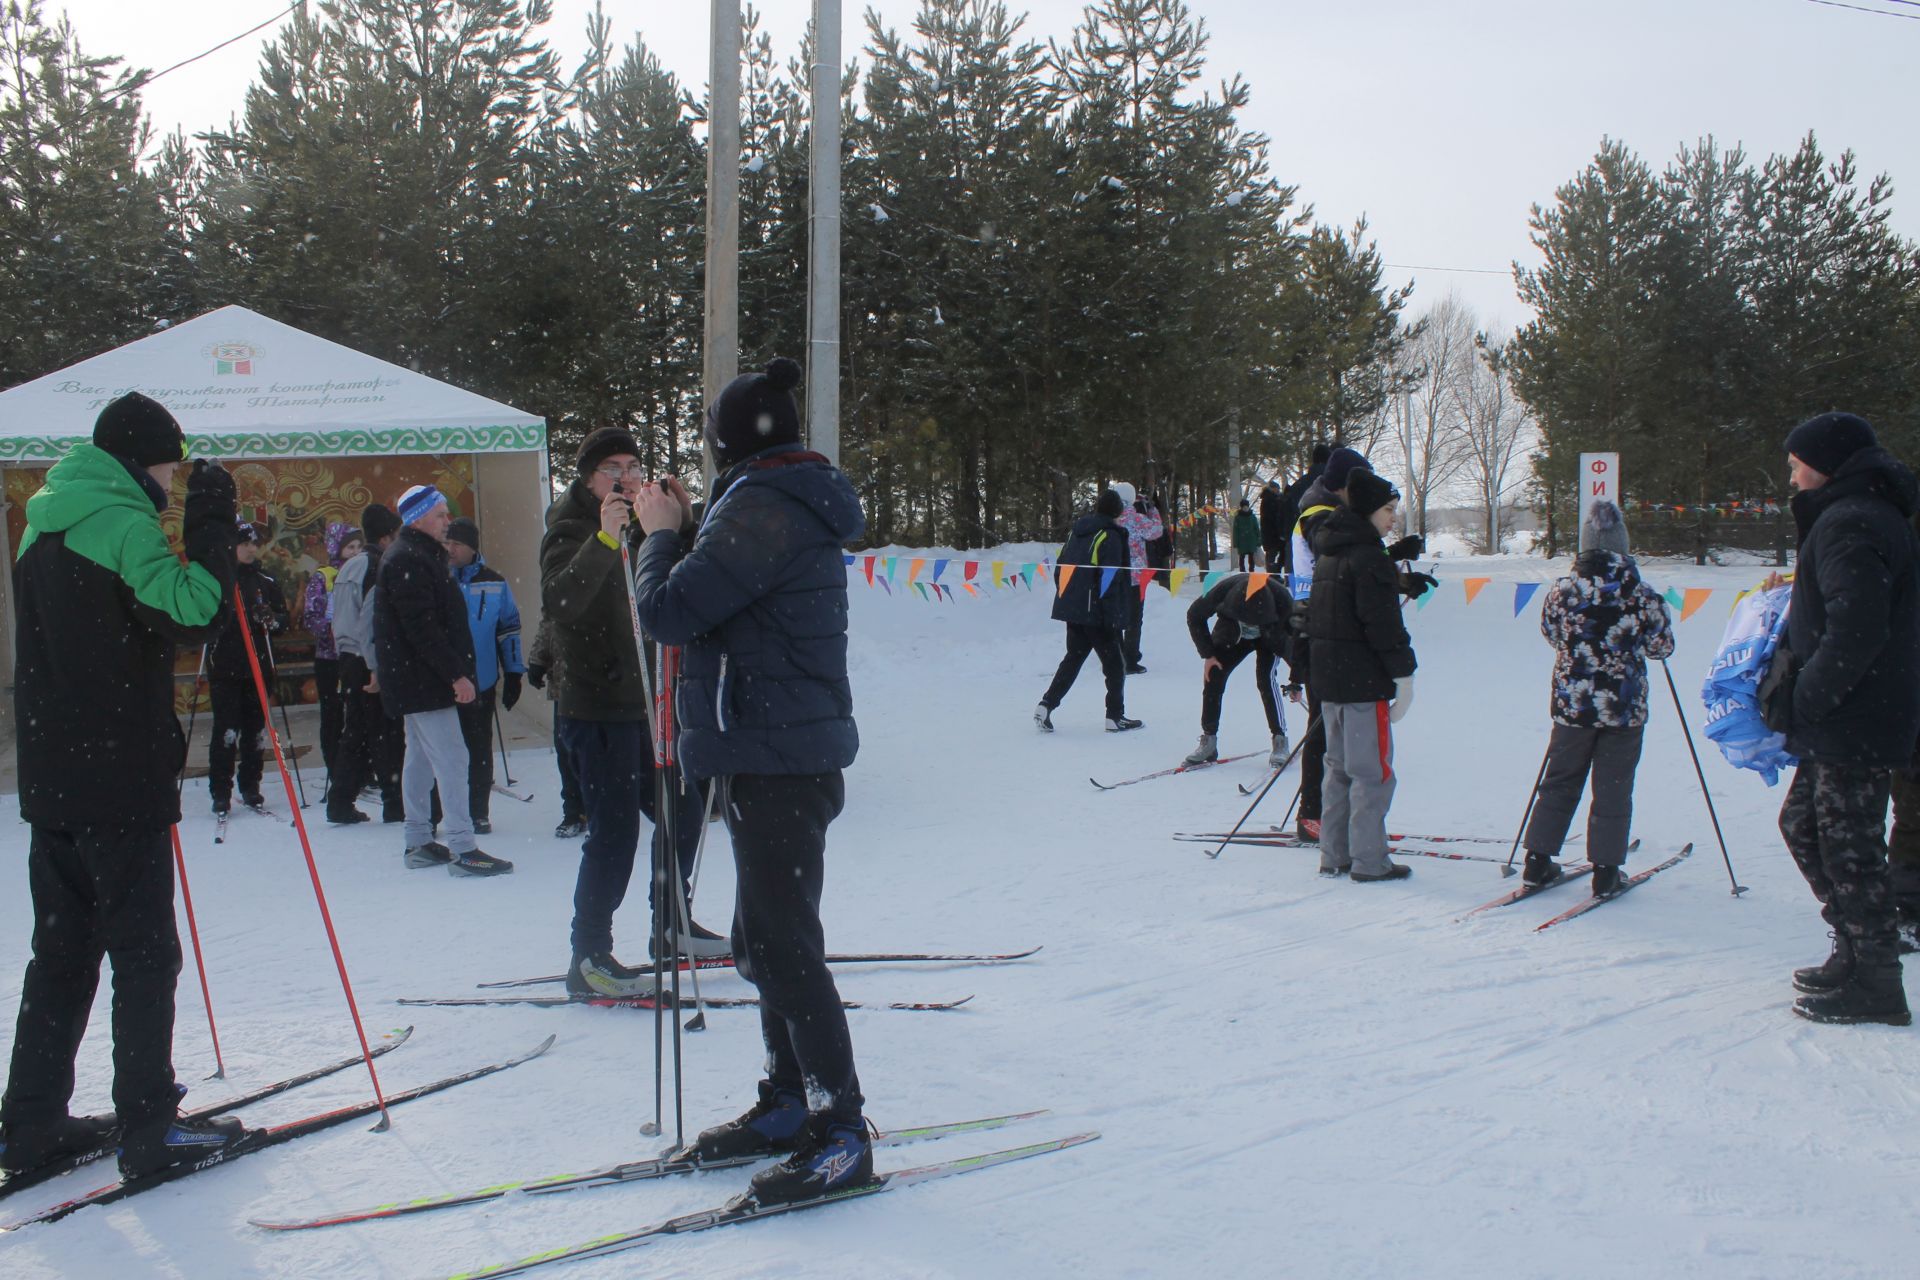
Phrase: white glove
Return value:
(1402, 699)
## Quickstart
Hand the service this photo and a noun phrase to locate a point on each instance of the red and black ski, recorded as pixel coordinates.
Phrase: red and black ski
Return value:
(869, 957)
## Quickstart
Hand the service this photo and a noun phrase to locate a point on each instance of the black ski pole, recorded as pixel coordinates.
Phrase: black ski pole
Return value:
(1700, 773)
(501, 730)
(293, 752)
(1506, 869)
(193, 711)
(1262, 795)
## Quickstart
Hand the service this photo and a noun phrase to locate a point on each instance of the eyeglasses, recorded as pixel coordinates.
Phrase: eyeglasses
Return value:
(632, 472)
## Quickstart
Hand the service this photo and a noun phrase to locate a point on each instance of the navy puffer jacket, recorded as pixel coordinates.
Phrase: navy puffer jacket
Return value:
(760, 604)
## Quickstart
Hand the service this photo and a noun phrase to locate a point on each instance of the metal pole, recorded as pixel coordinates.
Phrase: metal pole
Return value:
(823, 247)
(721, 355)
(1238, 481)
(1507, 869)
(1701, 774)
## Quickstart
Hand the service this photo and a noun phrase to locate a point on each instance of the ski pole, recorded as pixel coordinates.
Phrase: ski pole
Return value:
(501, 731)
(313, 868)
(1506, 868)
(273, 670)
(655, 1127)
(199, 961)
(193, 711)
(667, 840)
(1700, 773)
(1215, 851)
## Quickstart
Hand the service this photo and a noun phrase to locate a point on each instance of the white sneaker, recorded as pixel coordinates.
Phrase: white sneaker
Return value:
(1043, 718)
(1206, 753)
(1281, 750)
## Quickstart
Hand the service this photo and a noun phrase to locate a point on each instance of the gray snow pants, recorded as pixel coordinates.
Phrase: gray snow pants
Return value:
(1610, 756)
(1357, 787)
(437, 751)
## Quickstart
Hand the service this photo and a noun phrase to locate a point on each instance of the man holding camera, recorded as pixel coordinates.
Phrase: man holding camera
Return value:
(101, 601)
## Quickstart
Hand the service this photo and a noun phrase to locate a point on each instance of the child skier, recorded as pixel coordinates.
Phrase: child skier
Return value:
(1603, 622)
(1243, 622)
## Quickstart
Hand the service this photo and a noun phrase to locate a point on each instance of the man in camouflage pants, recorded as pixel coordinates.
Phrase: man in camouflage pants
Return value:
(1847, 694)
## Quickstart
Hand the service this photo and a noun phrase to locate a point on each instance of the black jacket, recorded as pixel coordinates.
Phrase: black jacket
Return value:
(1232, 612)
(1278, 516)
(1359, 645)
(1097, 544)
(1853, 625)
(100, 601)
(267, 609)
(584, 610)
(419, 626)
(760, 604)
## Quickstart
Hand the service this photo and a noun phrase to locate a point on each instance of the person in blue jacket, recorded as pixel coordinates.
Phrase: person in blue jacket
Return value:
(494, 619)
(759, 601)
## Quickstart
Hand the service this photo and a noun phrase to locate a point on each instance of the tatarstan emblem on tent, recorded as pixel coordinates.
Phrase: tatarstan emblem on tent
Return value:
(232, 358)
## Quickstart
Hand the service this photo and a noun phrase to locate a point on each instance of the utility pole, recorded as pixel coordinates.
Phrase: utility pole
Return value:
(1237, 482)
(823, 240)
(721, 353)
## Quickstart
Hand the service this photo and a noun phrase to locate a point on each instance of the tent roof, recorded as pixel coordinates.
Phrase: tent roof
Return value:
(244, 386)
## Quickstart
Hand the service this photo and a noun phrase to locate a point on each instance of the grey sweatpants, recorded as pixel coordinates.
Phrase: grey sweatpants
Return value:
(1357, 787)
(1610, 756)
(437, 751)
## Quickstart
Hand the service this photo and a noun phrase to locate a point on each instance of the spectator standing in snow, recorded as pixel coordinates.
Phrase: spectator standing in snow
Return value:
(1361, 666)
(371, 742)
(316, 615)
(1845, 689)
(100, 600)
(426, 674)
(1092, 601)
(1227, 623)
(1903, 856)
(603, 718)
(1320, 499)
(1280, 509)
(1143, 524)
(1246, 538)
(494, 619)
(238, 718)
(1603, 622)
(542, 675)
(760, 603)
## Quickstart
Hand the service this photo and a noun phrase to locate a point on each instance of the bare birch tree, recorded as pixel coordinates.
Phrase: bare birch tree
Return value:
(1425, 417)
(1495, 426)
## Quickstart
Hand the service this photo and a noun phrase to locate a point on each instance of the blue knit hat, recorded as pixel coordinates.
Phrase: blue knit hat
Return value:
(417, 501)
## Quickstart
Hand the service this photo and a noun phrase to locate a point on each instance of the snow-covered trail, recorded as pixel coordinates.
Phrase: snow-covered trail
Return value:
(1293, 1076)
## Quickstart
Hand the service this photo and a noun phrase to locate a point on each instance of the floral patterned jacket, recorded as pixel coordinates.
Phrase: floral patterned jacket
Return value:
(1604, 622)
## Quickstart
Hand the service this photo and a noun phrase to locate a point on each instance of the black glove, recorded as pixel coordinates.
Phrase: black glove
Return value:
(1294, 693)
(511, 693)
(536, 675)
(353, 672)
(207, 519)
(1415, 585)
(1411, 547)
(1775, 693)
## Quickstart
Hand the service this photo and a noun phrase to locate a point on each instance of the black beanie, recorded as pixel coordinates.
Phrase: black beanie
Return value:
(603, 444)
(756, 411)
(1321, 452)
(461, 529)
(140, 430)
(1109, 504)
(377, 523)
(1341, 463)
(1367, 492)
(1826, 442)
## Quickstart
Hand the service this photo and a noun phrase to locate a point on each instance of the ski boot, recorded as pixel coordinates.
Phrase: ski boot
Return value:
(478, 862)
(26, 1147)
(600, 974)
(430, 854)
(1043, 718)
(254, 801)
(1281, 753)
(1394, 871)
(700, 943)
(174, 1140)
(1541, 870)
(1307, 830)
(1120, 724)
(833, 1155)
(1608, 881)
(570, 829)
(774, 1125)
(1206, 753)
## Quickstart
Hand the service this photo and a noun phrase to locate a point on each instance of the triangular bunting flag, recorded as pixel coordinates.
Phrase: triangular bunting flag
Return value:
(1106, 579)
(888, 585)
(1026, 575)
(1523, 592)
(939, 567)
(849, 556)
(1212, 576)
(1042, 568)
(1694, 598)
(1426, 598)
(869, 566)
(1673, 598)
(1475, 586)
(913, 570)
(971, 589)
(1062, 578)
(921, 587)
(1257, 582)
(891, 562)
(1175, 578)
(997, 566)
(972, 567)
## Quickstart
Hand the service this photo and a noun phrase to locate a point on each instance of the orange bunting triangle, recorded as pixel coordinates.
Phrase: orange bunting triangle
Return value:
(1692, 600)
(1257, 582)
(1065, 575)
(1475, 586)
(913, 570)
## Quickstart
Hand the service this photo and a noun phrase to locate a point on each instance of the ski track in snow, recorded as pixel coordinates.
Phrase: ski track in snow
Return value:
(1294, 1077)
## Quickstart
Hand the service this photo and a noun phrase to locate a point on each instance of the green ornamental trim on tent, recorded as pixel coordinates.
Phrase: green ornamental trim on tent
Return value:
(312, 444)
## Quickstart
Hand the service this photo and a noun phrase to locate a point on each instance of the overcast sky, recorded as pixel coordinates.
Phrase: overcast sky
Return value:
(1442, 123)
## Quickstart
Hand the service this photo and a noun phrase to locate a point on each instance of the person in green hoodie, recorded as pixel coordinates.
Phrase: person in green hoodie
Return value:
(101, 599)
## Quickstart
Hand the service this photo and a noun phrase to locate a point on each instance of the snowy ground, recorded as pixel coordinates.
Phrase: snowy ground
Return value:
(1294, 1077)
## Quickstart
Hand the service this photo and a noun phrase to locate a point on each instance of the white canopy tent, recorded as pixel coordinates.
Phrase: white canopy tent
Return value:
(248, 389)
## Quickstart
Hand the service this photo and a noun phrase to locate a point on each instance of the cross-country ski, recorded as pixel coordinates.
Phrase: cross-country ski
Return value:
(1168, 773)
(685, 1001)
(869, 957)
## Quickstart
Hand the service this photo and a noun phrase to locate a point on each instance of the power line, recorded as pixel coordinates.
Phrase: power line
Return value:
(1466, 271)
(1885, 13)
(143, 83)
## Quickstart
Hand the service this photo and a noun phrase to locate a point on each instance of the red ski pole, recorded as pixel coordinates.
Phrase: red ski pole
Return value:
(313, 869)
(199, 961)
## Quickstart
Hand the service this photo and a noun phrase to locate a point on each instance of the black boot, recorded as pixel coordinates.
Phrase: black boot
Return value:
(1541, 870)
(1871, 993)
(833, 1155)
(772, 1126)
(1608, 881)
(25, 1147)
(1830, 974)
(172, 1140)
